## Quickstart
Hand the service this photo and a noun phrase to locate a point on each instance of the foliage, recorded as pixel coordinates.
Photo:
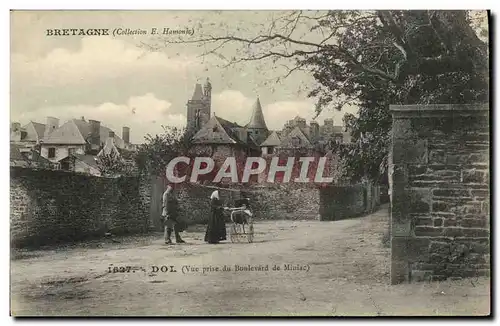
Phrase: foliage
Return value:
(371, 59)
(154, 155)
(112, 165)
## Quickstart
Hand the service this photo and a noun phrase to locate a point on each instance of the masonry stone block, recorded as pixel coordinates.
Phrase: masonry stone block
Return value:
(438, 222)
(410, 151)
(54, 209)
(400, 174)
(480, 193)
(451, 192)
(474, 176)
(446, 154)
(428, 231)
(474, 222)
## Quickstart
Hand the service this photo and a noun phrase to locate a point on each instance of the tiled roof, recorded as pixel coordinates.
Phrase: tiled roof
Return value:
(257, 120)
(39, 128)
(15, 153)
(34, 131)
(70, 132)
(286, 142)
(76, 131)
(272, 140)
(87, 159)
(220, 131)
(214, 132)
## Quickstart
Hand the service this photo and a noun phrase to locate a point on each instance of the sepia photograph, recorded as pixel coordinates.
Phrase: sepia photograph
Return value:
(250, 163)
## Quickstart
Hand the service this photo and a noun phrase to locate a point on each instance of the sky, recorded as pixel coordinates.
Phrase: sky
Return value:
(137, 81)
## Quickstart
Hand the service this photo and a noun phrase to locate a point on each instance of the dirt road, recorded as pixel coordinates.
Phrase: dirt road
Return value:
(334, 268)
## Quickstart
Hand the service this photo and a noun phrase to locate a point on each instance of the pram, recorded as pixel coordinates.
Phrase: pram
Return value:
(241, 215)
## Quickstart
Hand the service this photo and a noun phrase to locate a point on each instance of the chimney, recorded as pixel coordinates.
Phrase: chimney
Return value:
(15, 131)
(109, 146)
(51, 125)
(110, 141)
(314, 130)
(15, 126)
(301, 123)
(126, 135)
(111, 138)
(95, 134)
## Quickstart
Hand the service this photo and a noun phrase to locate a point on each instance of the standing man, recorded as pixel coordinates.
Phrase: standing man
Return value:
(169, 214)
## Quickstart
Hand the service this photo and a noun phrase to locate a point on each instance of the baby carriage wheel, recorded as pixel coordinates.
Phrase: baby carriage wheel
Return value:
(233, 233)
(250, 234)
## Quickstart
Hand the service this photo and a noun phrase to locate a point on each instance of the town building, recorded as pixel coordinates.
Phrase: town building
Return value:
(217, 137)
(72, 146)
(298, 135)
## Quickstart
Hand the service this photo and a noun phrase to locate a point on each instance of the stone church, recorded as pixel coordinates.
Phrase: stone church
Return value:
(219, 138)
(216, 136)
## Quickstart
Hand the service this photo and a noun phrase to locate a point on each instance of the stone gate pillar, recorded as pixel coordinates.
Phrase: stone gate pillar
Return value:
(439, 176)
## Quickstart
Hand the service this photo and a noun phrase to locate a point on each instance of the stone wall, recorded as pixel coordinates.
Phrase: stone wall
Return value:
(283, 201)
(287, 202)
(440, 210)
(268, 203)
(49, 207)
(341, 202)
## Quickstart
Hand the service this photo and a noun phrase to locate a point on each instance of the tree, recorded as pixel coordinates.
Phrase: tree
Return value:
(113, 165)
(370, 59)
(157, 151)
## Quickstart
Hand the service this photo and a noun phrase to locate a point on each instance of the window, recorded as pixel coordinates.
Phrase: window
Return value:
(71, 151)
(52, 152)
(295, 141)
(270, 150)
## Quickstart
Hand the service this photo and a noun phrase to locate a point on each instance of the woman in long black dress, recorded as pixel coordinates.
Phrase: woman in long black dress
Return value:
(216, 228)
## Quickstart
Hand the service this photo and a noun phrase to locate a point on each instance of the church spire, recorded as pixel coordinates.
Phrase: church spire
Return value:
(257, 120)
(207, 88)
(198, 93)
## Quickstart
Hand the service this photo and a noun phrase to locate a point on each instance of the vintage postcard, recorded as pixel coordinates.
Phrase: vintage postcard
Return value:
(250, 163)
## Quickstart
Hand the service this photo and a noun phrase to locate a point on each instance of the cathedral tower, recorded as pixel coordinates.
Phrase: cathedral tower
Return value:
(199, 107)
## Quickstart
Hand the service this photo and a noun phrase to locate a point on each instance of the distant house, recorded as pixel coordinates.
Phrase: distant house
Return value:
(222, 138)
(76, 136)
(71, 146)
(80, 163)
(20, 156)
(297, 134)
(34, 133)
(16, 157)
(294, 140)
(269, 145)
